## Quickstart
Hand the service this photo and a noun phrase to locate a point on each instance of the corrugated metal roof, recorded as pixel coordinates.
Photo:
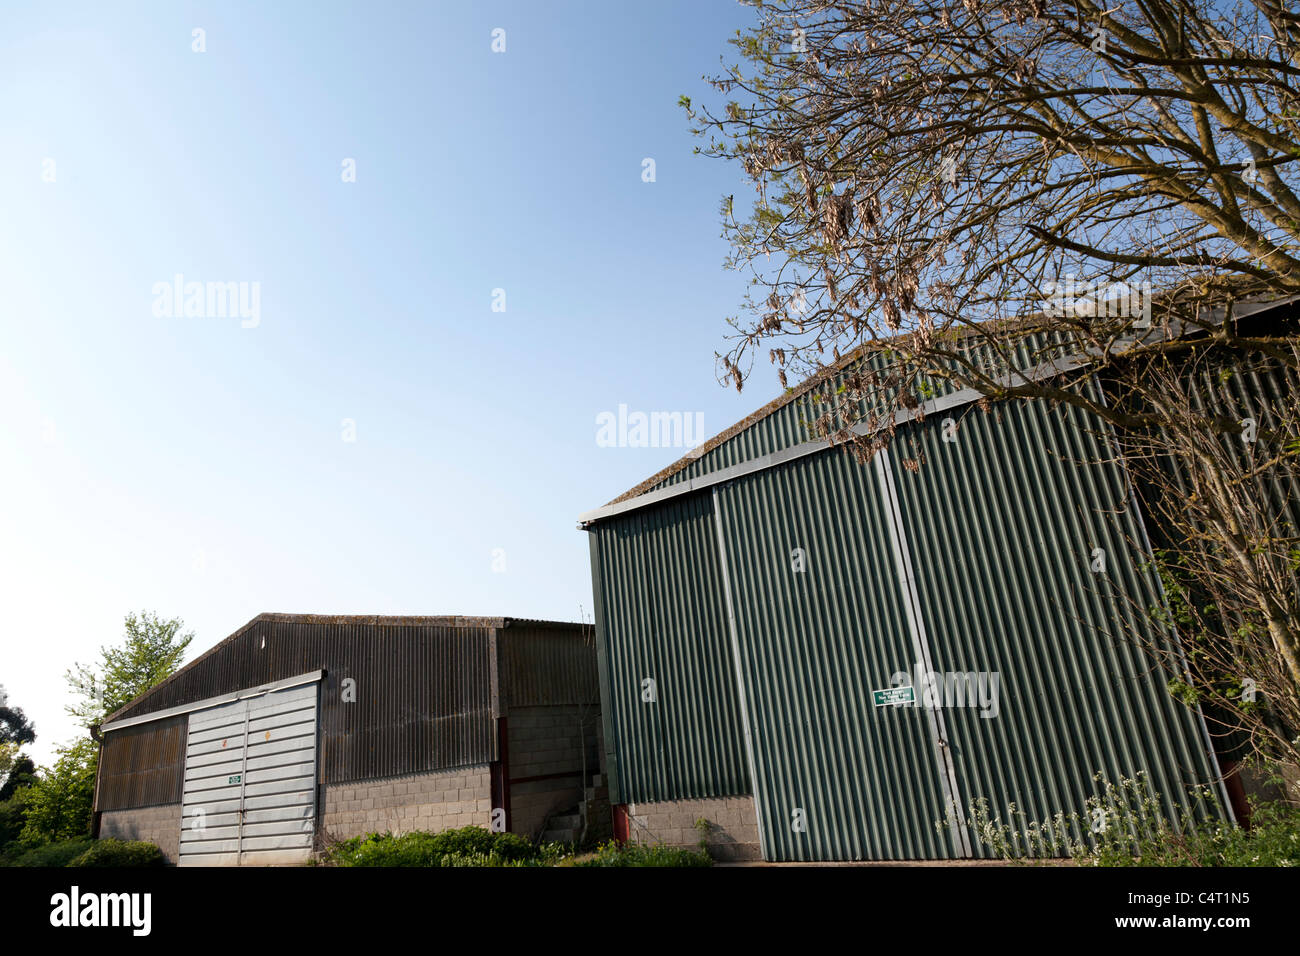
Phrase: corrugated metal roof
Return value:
(783, 423)
(148, 700)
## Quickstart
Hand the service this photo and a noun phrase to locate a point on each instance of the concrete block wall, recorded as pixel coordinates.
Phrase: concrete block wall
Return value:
(733, 827)
(549, 742)
(160, 825)
(440, 800)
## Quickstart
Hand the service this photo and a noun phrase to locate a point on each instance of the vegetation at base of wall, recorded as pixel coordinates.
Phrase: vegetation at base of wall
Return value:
(475, 846)
(1126, 824)
(112, 852)
(467, 846)
(86, 851)
(59, 853)
(703, 826)
(635, 854)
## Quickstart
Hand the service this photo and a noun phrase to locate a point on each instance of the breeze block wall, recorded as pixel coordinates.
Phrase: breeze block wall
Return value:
(733, 826)
(438, 800)
(159, 825)
(546, 747)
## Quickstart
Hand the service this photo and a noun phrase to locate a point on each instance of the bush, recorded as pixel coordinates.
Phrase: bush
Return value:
(112, 852)
(468, 846)
(58, 803)
(1126, 825)
(53, 854)
(13, 817)
(612, 854)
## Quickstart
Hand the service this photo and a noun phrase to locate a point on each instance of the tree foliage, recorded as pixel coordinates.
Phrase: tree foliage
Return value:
(152, 650)
(921, 165)
(58, 805)
(15, 728)
(21, 774)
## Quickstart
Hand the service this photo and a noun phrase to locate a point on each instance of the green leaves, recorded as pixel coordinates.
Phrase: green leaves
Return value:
(151, 652)
(58, 805)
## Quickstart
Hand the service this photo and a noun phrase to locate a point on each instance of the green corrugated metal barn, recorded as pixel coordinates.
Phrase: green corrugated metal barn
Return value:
(754, 600)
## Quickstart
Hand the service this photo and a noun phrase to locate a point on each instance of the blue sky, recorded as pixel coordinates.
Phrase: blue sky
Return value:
(197, 467)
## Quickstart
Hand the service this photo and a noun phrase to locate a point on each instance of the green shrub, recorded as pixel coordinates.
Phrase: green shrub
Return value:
(632, 854)
(1127, 825)
(53, 854)
(13, 816)
(120, 853)
(58, 804)
(468, 846)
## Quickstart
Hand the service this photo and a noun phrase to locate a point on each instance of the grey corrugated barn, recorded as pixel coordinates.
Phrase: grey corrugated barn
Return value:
(298, 729)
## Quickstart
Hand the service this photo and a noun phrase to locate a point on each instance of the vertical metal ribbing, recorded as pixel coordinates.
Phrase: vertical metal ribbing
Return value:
(1136, 511)
(740, 676)
(916, 624)
(243, 782)
(612, 769)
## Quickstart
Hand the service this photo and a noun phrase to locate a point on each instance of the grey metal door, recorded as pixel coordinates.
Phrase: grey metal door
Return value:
(250, 780)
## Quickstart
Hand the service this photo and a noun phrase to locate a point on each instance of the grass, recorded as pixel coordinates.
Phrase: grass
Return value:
(612, 854)
(475, 846)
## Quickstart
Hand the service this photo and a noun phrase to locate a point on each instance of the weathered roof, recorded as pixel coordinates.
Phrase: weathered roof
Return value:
(380, 620)
(793, 394)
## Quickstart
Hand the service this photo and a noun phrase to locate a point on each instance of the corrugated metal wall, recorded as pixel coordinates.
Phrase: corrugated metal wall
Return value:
(1004, 522)
(142, 766)
(422, 693)
(662, 617)
(423, 699)
(546, 665)
(1001, 527)
(1235, 386)
(814, 644)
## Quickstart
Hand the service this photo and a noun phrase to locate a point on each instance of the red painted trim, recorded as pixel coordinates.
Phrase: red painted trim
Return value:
(622, 831)
(566, 775)
(501, 771)
(1236, 792)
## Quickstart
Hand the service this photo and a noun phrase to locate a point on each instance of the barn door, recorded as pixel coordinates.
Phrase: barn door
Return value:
(845, 765)
(250, 780)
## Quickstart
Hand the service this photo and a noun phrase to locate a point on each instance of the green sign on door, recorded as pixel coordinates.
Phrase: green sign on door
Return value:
(893, 695)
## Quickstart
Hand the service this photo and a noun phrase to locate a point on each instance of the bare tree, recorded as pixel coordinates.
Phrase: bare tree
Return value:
(960, 194)
(1227, 545)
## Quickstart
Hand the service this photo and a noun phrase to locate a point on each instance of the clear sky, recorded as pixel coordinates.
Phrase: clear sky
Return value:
(200, 466)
